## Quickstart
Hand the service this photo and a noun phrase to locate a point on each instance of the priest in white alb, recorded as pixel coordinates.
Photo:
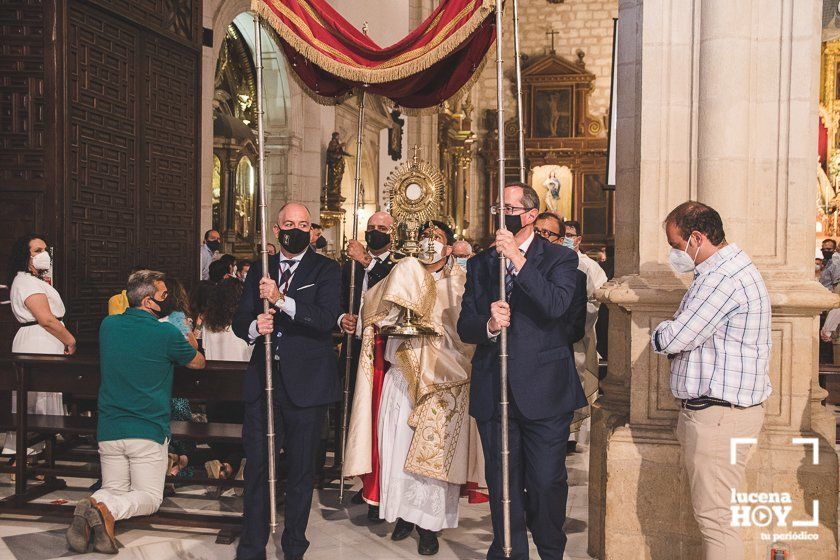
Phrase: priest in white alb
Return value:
(423, 426)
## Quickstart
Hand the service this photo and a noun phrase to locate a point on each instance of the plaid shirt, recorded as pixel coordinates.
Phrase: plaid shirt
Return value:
(719, 339)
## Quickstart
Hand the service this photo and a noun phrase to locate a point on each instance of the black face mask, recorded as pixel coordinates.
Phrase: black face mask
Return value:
(165, 307)
(214, 245)
(827, 255)
(376, 239)
(320, 243)
(294, 240)
(513, 223)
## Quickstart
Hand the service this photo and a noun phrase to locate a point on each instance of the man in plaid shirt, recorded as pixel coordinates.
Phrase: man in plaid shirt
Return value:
(719, 347)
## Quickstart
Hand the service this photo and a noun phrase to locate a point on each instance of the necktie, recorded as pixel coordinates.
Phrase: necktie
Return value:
(286, 275)
(509, 279)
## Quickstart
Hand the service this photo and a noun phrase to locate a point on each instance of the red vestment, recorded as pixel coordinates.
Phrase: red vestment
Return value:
(370, 481)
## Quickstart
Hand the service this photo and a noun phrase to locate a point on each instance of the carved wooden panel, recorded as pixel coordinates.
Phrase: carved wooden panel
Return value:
(178, 19)
(101, 186)
(22, 136)
(21, 94)
(98, 145)
(169, 174)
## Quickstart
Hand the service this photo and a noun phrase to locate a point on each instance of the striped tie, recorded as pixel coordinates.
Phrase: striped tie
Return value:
(509, 280)
(284, 277)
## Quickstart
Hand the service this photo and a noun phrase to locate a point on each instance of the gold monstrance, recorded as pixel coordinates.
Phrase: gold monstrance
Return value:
(415, 191)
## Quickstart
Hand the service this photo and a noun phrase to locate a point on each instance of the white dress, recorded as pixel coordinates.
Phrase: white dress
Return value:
(225, 345)
(429, 503)
(35, 339)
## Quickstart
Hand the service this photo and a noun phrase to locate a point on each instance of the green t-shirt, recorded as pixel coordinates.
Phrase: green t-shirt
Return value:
(137, 356)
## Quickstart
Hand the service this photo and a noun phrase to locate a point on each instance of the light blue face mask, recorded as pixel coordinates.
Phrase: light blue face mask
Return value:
(569, 242)
(462, 262)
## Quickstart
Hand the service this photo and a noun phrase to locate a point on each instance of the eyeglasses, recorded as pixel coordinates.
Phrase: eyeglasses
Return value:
(546, 234)
(570, 236)
(509, 210)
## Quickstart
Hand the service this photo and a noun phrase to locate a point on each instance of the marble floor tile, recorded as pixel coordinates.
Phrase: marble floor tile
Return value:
(335, 532)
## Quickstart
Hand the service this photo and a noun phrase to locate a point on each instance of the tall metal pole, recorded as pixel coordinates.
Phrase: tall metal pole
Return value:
(267, 339)
(503, 355)
(518, 65)
(348, 340)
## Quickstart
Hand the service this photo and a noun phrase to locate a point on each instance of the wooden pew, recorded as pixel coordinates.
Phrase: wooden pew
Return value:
(78, 377)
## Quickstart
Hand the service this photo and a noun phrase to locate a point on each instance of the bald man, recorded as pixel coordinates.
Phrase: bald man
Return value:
(370, 265)
(303, 291)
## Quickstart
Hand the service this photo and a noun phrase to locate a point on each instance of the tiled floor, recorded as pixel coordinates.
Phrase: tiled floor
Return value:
(336, 533)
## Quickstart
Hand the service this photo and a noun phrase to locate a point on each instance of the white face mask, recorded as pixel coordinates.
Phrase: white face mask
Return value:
(437, 247)
(42, 261)
(681, 261)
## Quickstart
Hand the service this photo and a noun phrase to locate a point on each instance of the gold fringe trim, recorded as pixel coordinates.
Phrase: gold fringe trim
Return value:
(315, 96)
(356, 73)
(422, 111)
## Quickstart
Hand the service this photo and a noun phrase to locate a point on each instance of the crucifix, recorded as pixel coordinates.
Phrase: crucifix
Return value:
(365, 28)
(415, 149)
(552, 33)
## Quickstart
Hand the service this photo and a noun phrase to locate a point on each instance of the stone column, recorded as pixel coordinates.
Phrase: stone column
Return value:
(717, 103)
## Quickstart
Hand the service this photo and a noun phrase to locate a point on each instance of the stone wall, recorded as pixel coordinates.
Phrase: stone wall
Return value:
(581, 24)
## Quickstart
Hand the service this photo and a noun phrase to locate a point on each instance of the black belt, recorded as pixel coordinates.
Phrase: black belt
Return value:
(702, 403)
(33, 323)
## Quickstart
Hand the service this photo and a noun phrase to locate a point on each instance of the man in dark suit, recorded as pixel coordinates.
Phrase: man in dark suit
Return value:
(369, 267)
(550, 226)
(543, 385)
(303, 290)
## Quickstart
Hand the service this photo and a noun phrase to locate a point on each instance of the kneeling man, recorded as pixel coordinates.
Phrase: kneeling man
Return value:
(137, 355)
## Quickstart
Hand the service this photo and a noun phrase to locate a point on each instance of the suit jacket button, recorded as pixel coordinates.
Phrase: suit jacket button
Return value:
(276, 356)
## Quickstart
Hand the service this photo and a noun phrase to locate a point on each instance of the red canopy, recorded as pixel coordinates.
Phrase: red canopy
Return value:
(428, 66)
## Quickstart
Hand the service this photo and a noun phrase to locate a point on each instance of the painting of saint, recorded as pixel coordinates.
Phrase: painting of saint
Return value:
(553, 113)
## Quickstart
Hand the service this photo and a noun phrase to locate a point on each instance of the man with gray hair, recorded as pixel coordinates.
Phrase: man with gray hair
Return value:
(462, 251)
(137, 358)
(532, 302)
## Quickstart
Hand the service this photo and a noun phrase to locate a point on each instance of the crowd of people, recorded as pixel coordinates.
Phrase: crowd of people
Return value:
(424, 416)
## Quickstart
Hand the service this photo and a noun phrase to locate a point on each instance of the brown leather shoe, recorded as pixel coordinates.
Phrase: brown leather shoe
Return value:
(78, 534)
(102, 522)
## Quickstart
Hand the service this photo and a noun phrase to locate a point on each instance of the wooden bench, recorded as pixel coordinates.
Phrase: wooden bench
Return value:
(78, 377)
(86, 425)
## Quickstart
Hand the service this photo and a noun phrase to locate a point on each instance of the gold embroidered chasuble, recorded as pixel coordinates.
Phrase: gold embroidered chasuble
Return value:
(437, 370)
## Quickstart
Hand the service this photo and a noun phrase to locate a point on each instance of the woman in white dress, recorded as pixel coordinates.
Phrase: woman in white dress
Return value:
(39, 309)
(220, 343)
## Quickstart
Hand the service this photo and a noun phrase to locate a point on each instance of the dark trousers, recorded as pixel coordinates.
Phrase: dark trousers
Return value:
(297, 431)
(538, 482)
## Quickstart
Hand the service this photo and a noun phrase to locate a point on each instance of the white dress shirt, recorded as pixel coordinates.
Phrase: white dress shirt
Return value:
(286, 304)
(207, 256)
(373, 262)
(522, 249)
